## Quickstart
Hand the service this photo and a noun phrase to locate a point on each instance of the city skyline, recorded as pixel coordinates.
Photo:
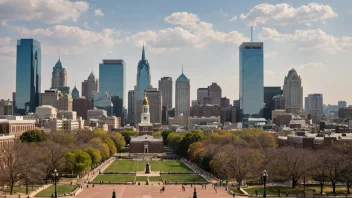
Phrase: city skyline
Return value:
(310, 44)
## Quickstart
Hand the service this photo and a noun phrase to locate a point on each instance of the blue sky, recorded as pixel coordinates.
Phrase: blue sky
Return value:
(314, 37)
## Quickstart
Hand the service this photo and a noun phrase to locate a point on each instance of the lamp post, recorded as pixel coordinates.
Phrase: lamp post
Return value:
(55, 175)
(265, 175)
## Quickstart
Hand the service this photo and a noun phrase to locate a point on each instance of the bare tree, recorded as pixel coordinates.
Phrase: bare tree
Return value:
(319, 171)
(13, 163)
(290, 163)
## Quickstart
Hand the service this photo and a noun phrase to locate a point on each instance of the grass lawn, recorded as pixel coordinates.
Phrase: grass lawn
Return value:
(134, 165)
(327, 189)
(61, 189)
(183, 178)
(155, 179)
(126, 166)
(115, 178)
(272, 190)
(169, 166)
(22, 189)
(141, 178)
(237, 191)
(151, 179)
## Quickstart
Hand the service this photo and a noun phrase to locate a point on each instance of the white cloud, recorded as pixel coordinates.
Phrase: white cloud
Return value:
(268, 72)
(270, 54)
(98, 12)
(309, 39)
(193, 33)
(233, 19)
(47, 11)
(5, 41)
(284, 14)
(224, 14)
(86, 25)
(69, 39)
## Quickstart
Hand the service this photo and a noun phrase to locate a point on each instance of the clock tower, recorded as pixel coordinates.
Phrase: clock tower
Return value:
(145, 115)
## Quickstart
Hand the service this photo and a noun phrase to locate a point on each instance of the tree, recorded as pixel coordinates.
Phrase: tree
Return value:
(33, 136)
(164, 134)
(118, 140)
(51, 155)
(77, 161)
(127, 135)
(63, 138)
(188, 139)
(94, 155)
(319, 171)
(83, 136)
(111, 145)
(103, 147)
(13, 163)
(290, 163)
(219, 165)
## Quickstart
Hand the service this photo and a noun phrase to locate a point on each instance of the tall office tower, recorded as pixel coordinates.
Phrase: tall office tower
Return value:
(57, 99)
(342, 104)
(279, 102)
(182, 101)
(59, 76)
(131, 107)
(143, 83)
(6, 107)
(201, 94)
(112, 75)
(90, 87)
(28, 75)
(293, 92)
(75, 93)
(215, 94)
(165, 88)
(103, 101)
(314, 102)
(155, 101)
(251, 78)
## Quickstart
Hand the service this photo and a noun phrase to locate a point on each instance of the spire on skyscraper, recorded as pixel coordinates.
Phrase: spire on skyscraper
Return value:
(143, 53)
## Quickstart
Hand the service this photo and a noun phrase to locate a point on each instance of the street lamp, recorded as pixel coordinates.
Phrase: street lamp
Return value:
(55, 175)
(265, 175)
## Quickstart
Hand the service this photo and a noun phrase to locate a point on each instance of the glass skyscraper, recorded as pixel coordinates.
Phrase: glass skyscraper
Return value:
(143, 77)
(28, 75)
(112, 80)
(251, 78)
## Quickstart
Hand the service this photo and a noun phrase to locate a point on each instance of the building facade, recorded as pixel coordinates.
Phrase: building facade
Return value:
(75, 93)
(112, 75)
(55, 98)
(59, 76)
(6, 107)
(228, 114)
(225, 102)
(28, 75)
(251, 86)
(46, 112)
(96, 114)
(314, 102)
(270, 92)
(342, 104)
(16, 125)
(205, 110)
(293, 92)
(131, 103)
(215, 94)
(182, 101)
(69, 115)
(90, 87)
(155, 108)
(103, 101)
(201, 94)
(165, 88)
(81, 106)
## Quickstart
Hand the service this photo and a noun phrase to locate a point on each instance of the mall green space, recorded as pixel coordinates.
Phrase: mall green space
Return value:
(61, 190)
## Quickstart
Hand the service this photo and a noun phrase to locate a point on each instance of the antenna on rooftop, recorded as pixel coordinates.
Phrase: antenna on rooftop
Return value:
(251, 33)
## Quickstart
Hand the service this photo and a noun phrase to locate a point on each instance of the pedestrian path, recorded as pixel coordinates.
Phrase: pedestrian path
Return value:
(32, 194)
(209, 177)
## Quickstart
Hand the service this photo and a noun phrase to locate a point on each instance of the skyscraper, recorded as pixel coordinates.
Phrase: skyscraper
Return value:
(251, 78)
(28, 75)
(165, 88)
(182, 101)
(314, 102)
(201, 94)
(215, 94)
(131, 107)
(55, 98)
(112, 77)
(90, 87)
(59, 76)
(270, 92)
(155, 101)
(293, 92)
(342, 104)
(143, 83)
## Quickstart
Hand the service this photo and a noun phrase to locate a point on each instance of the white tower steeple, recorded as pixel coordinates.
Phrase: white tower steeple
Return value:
(145, 115)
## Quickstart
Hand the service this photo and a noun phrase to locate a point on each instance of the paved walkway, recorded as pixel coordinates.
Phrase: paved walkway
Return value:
(209, 177)
(150, 191)
(39, 189)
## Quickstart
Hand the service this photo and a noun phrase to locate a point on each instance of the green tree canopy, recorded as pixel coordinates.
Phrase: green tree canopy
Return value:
(78, 160)
(33, 136)
(94, 155)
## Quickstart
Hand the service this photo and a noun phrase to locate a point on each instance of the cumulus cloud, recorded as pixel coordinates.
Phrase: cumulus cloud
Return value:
(47, 11)
(193, 33)
(309, 65)
(284, 14)
(309, 39)
(98, 12)
(270, 54)
(69, 39)
(269, 72)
